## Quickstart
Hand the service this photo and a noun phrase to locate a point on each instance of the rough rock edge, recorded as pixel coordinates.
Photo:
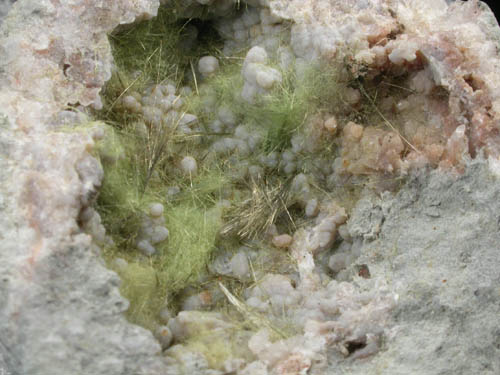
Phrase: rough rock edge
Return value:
(457, 41)
(4, 8)
(436, 244)
(61, 312)
(25, 101)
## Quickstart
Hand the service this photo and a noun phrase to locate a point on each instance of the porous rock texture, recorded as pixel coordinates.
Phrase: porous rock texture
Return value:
(4, 8)
(433, 244)
(436, 245)
(452, 45)
(60, 309)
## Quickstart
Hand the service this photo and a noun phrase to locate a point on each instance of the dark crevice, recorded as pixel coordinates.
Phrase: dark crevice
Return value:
(353, 346)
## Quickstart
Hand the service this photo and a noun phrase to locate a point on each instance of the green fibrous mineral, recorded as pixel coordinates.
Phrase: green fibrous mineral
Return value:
(141, 161)
(193, 219)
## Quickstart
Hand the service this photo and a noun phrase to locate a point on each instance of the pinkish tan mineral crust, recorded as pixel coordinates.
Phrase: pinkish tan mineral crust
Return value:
(452, 70)
(56, 53)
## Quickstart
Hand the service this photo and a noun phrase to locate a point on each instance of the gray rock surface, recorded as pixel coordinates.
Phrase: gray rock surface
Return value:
(435, 242)
(60, 309)
(438, 247)
(5, 6)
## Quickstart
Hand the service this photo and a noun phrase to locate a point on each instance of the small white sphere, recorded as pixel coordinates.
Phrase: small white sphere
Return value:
(192, 303)
(243, 148)
(344, 233)
(230, 143)
(226, 116)
(253, 141)
(170, 89)
(164, 336)
(171, 118)
(188, 119)
(173, 191)
(145, 247)
(250, 17)
(159, 234)
(152, 115)
(239, 265)
(312, 207)
(165, 105)
(219, 147)
(256, 55)
(282, 241)
(208, 65)
(216, 126)
(156, 209)
(266, 78)
(241, 132)
(189, 165)
(271, 160)
(288, 156)
(130, 103)
(337, 262)
(289, 168)
(331, 125)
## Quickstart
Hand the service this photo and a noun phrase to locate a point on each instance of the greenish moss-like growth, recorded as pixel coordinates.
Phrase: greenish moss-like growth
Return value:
(282, 112)
(148, 50)
(141, 161)
(140, 286)
(121, 202)
(131, 183)
(217, 347)
(162, 49)
(193, 233)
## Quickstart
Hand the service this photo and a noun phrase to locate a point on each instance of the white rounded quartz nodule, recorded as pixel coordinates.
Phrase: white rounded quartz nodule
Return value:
(226, 116)
(208, 65)
(130, 103)
(159, 234)
(192, 303)
(256, 55)
(282, 241)
(343, 231)
(173, 191)
(239, 265)
(331, 125)
(164, 336)
(156, 209)
(146, 248)
(337, 262)
(312, 207)
(266, 78)
(188, 119)
(189, 165)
